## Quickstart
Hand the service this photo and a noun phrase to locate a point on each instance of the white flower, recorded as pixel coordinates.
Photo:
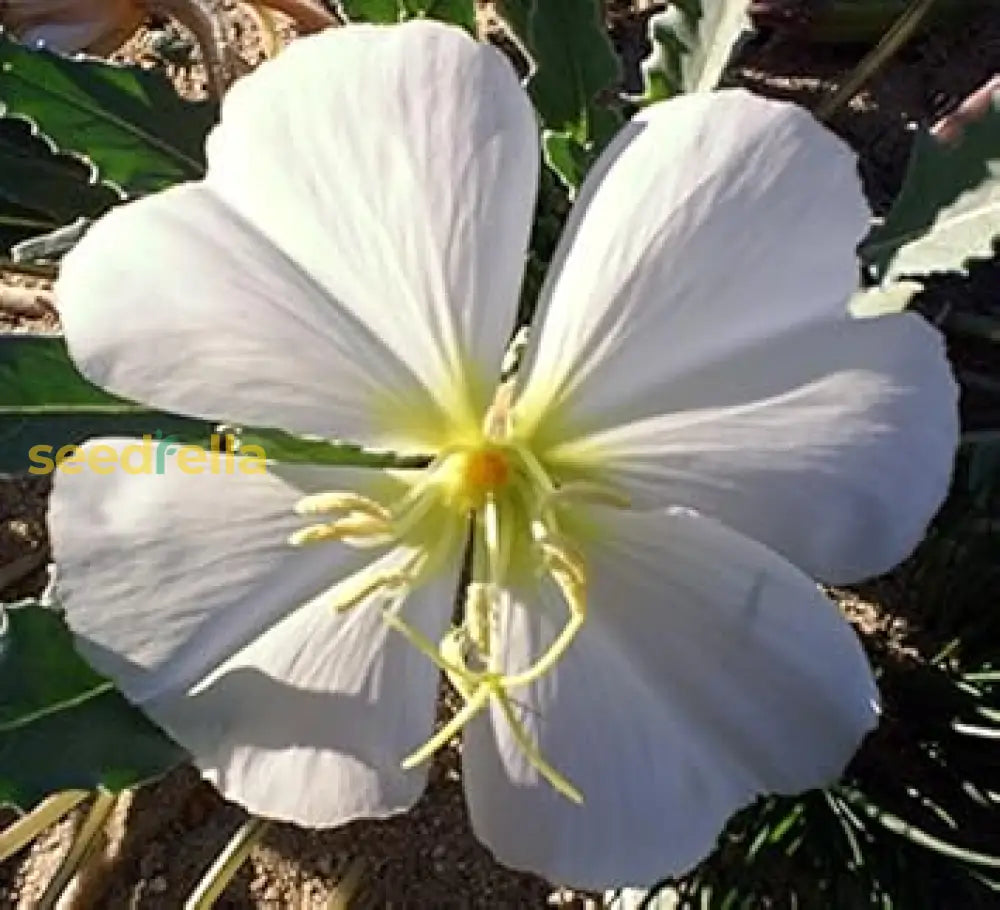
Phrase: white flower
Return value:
(696, 416)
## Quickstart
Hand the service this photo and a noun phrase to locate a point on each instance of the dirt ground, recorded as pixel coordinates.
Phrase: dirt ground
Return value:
(165, 836)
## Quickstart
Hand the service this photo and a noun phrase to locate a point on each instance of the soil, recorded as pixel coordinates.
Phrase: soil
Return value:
(164, 837)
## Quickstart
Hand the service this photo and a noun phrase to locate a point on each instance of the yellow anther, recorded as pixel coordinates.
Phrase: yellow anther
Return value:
(313, 534)
(562, 558)
(497, 423)
(575, 595)
(357, 589)
(341, 501)
(357, 528)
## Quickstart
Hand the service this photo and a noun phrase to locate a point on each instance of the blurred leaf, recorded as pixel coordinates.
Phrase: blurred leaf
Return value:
(53, 244)
(62, 726)
(911, 826)
(128, 121)
(567, 157)
(45, 401)
(456, 12)
(286, 447)
(574, 63)
(42, 189)
(982, 470)
(948, 211)
(692, 40)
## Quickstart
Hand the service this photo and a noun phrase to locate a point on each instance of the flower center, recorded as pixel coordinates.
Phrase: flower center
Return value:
(499, 488)
(472, 476)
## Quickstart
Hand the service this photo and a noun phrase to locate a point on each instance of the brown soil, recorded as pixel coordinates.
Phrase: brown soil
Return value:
(166, 835)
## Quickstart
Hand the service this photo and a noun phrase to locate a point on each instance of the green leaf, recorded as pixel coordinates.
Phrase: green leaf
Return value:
(41, 189)
(567, 157)
(128, 121)
(692, 40)
(44, 401)
(574, 63)
(948, 211)
(456, 12)
(370, 10)
(62, 726)
(286, 447)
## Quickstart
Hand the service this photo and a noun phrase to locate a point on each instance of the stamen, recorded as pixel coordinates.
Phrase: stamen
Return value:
(423, 644)
(357, 529)
(341, 501)
(560, 556)
(575, 595)
(358, 588)
(502, 489)
(521, 737)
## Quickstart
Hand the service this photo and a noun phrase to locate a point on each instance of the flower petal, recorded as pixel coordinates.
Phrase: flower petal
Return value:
(709, 671)
(716, 221)
(357, 247)
(181, 303)
(833, 444)
(183, 589)
(399, 167)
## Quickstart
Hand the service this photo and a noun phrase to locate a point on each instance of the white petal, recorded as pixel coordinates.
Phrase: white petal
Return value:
(832, 445)
(182, 587)
(709, 671)
(181, 303)
(716, 221)
(311, 722)
(354, 255)
(398, 166)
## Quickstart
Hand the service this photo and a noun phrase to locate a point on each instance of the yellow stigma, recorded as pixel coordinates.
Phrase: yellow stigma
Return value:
(470, 476)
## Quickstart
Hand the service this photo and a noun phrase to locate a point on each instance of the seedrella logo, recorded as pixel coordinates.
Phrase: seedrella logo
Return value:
(152, 455)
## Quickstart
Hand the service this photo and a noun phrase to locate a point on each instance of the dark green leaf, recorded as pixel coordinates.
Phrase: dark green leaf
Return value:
(948, 211)
(370, 10)
(62, 726)
(41, 189)
(566, 157)
(456, 12)
(44, 401)
(281, 446)
(128, 121)
(574, 62)
(693, 41)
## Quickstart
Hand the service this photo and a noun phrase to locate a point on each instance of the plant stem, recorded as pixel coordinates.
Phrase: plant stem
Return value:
(226, 865)
(85, 841)
(46, 813)
(901, 32)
